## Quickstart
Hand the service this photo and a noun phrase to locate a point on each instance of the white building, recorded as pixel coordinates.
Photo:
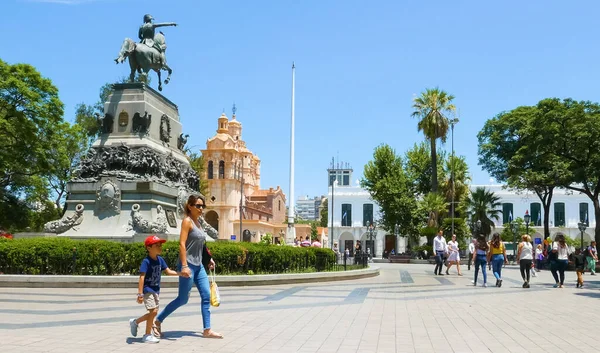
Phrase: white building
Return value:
(567, 209)
(353, 211)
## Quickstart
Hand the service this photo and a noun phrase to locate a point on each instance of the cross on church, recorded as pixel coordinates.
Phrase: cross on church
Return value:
(234, 109)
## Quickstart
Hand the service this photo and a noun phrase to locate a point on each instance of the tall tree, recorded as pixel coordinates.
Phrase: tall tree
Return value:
(510, 150)
(418, 167)
(197, 164)
(435, 207)
(484, 206)
(571, 131)
(389, 186)
(431, 108)
(31, 127)
(456, 189)
(324, 213)
(70, 148)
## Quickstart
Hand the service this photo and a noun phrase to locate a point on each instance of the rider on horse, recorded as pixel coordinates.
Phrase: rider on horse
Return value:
(147, 35)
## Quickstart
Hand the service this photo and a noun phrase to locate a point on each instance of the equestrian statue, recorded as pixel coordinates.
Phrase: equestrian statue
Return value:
(149, 53)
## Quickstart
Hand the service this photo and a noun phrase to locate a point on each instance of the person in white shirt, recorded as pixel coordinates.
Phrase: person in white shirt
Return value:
(471, 251)
(439, 248)
(453, 255)
(525, 256)
(561, 253)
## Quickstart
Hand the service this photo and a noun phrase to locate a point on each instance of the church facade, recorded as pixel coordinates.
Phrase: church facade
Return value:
(234, 193)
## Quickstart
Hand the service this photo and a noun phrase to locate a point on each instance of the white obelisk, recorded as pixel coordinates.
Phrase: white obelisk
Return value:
(291, 231)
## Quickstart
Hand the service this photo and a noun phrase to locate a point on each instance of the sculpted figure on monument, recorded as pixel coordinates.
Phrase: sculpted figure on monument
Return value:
(105, 123)
(149, 54)
(141, 124)
(65, 223)
(181, 141)
(165, 129)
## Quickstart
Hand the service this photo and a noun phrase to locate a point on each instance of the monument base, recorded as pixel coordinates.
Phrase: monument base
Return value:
(136, 178)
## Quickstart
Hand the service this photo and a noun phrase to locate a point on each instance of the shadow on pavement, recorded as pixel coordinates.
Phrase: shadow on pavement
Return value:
(172, 335)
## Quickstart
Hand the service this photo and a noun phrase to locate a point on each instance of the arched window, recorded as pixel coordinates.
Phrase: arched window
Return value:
(221, 169)
(210, 169)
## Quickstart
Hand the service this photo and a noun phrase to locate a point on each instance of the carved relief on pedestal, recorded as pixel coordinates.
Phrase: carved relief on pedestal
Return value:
(66, 223)
(108, 197)
(165, 129)
(142, 225)
(141, 124)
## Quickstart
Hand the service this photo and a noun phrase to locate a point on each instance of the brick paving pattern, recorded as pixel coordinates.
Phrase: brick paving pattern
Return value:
(405, 309)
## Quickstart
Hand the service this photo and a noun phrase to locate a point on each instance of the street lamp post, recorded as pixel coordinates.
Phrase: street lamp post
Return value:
(515, 228)
(527, 219)
(582, 228)
(452, 123)
(396, 233)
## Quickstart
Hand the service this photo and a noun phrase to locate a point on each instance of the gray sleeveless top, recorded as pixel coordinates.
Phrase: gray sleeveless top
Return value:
(194, 245)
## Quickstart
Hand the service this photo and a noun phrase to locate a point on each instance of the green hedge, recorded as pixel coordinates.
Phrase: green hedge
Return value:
(60, 256)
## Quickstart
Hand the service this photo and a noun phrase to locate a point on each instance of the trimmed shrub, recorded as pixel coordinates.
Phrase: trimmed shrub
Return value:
(61, 256)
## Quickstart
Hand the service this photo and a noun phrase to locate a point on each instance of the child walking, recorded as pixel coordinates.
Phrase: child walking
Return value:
(580, 262)
(149, 286)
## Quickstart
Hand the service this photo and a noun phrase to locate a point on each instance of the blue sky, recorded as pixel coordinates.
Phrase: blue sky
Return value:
(358, 65)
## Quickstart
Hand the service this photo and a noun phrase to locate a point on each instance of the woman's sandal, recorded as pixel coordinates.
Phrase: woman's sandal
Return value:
(156, 330)
(212, 334)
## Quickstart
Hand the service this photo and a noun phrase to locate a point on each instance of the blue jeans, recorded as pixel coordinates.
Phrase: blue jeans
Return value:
(439, 262)
(497, 262)
(481, 260)
(198, 277)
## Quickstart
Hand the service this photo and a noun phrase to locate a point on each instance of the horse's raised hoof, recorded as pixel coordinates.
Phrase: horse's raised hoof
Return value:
(166, 82)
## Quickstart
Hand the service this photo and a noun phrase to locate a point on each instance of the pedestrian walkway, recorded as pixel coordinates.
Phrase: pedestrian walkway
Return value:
(405, 309)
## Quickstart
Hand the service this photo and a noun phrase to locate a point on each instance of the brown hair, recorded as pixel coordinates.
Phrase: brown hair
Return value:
(496, 240)
(192, 201)
(481, 243)
(560, 237)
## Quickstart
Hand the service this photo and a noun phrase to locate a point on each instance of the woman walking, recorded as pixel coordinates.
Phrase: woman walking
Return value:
(561, 252)
(497, 257)
(192, 239)
(480, 259)
(525, 256)
(454, 257)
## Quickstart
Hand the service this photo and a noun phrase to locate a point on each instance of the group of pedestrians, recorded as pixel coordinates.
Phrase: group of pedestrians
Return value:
(447, 253)
(492, 254)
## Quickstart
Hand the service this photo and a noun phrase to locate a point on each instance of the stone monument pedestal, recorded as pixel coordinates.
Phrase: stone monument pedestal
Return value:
(135, 179)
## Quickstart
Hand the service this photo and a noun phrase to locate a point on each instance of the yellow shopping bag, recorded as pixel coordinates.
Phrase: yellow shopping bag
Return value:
(215, 298)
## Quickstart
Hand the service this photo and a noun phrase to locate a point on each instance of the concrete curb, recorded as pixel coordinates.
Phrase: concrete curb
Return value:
(35, 281)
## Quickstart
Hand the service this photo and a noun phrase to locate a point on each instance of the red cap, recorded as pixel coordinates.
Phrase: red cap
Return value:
(153, 239)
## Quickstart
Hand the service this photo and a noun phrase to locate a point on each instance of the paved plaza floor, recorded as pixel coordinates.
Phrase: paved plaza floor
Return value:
(405, 309)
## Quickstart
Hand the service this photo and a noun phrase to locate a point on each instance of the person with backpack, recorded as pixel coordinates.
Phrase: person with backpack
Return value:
(591, 255)
(560, 258)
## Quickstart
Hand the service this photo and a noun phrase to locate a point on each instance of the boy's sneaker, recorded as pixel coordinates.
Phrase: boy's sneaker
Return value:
(499, 283)
(134, 327)
(484, 285)
(150, 339)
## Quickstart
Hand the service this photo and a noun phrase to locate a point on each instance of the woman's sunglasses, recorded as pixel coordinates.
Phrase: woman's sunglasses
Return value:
(199, 206)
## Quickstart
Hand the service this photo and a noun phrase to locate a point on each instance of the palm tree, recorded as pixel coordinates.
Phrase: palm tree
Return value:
(484, 206)
(461, 181)
(431, 108)
(435, 206)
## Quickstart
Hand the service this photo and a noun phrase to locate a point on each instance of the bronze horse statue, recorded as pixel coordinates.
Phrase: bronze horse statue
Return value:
(143, 58)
